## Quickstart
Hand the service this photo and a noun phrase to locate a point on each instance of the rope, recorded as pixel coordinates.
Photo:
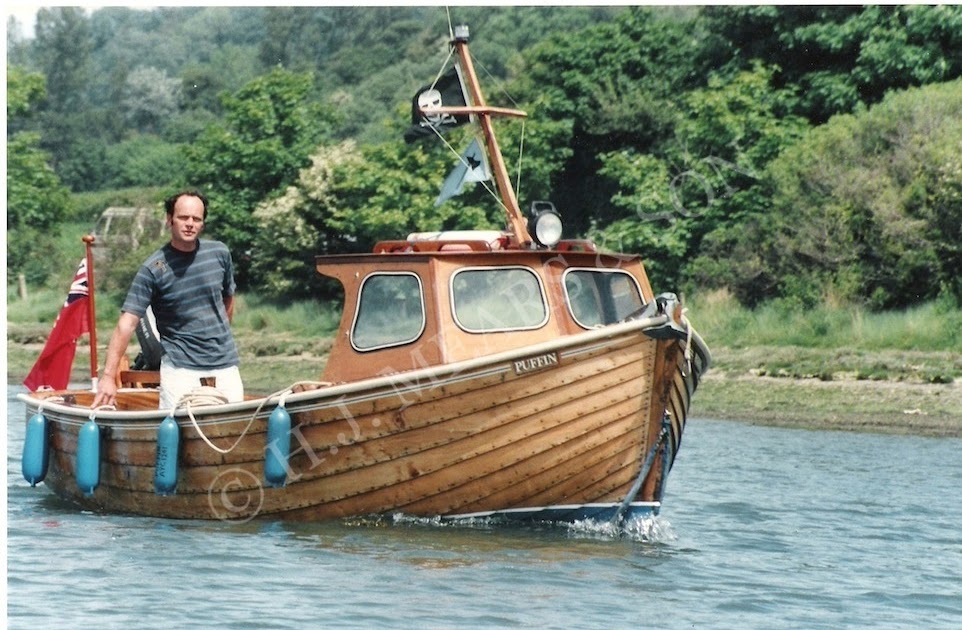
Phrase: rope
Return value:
(53, 399)
(496, 82)
(443, 66)
(202, 397)
(691, 332)
(618, 518)
(206, 396)
(93, 412)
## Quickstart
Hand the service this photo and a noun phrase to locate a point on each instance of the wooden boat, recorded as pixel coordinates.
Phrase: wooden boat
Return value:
(508, 374)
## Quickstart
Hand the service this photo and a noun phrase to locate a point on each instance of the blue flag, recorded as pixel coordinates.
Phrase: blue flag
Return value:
(472, 167)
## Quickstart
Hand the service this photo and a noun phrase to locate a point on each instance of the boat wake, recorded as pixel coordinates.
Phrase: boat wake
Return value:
(644, 529)
(648, 529)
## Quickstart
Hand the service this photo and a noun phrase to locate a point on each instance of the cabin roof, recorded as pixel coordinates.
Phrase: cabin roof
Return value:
(460, 242)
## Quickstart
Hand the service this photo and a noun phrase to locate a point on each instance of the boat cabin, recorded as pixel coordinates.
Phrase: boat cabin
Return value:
(439, 298)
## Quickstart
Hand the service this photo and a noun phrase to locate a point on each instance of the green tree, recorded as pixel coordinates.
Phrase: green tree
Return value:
(616, 85)
(865, 207)
(943, 217)
(228, 68)
(838, 57)
(24, 91)
(18, 48)
(271, 128)
(705, 181)
(35, 196)
(347, 200)
(144, 160)
(36, 199)
(150, 98)
(63, 41)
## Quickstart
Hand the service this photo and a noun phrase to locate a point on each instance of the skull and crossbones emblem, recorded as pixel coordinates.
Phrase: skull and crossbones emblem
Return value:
(431, 99)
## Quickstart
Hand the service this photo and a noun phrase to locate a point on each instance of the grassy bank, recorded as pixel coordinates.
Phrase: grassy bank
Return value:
(830, 367)
(833, 342)
(833, 367)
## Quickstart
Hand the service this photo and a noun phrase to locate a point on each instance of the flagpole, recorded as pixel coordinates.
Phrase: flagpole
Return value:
(91, 310)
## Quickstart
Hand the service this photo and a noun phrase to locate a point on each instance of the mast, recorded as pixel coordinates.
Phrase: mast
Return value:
(516, 222)
(91, 309)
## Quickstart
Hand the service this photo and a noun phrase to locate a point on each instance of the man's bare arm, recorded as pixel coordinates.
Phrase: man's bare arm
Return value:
(107, 385)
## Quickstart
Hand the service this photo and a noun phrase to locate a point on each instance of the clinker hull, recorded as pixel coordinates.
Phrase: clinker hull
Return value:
(593, 419)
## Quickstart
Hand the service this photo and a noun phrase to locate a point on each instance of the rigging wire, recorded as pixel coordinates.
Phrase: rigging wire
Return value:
(444, 65)
(500, 87)
(494, 80)
(517, 185)
(461, 159)
(494, 194)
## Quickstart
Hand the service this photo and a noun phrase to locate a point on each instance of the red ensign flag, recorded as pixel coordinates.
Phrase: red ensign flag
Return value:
(53, 367)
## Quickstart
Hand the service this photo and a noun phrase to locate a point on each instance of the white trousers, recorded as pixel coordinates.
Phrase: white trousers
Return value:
(175, 383)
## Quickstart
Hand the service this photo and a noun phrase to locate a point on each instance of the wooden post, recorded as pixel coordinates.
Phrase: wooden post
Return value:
(91, 310)
(22, 286)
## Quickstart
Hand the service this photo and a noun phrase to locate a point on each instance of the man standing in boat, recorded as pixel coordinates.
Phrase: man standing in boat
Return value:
(189, 284)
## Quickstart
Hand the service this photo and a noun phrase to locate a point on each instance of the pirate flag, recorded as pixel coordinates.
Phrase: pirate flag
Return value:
(447, 91)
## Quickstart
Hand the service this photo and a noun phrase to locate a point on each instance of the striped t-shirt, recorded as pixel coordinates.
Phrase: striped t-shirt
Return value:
(187, 291)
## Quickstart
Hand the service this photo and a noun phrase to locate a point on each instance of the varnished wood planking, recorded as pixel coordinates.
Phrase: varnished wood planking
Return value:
(441, 450)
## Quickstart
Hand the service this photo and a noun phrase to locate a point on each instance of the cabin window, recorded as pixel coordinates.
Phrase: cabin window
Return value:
(598, 297)
(499, 299)
(390, 311)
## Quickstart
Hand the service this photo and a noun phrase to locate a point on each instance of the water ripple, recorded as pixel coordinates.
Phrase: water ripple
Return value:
(762, 528)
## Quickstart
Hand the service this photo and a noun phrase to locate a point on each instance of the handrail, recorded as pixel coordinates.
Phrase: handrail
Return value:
(396, 247)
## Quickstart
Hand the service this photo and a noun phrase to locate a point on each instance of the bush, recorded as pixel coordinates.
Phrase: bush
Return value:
(145, 161)
(868, 206)
(28, 253)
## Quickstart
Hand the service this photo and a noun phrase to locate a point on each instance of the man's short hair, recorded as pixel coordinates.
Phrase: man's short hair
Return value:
(171, 201)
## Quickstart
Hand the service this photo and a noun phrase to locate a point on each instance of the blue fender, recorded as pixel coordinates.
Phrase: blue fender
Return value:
(36, 449)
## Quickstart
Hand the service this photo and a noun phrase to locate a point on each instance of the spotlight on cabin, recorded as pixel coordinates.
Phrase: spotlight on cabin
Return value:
(545, 223)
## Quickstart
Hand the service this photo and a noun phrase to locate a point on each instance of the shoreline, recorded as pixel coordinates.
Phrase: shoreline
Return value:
(863, 406)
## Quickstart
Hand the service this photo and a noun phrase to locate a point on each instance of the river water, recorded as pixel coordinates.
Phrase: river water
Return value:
(762, 528)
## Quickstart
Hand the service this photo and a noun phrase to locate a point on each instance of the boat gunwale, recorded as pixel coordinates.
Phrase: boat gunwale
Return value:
(430, 375)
